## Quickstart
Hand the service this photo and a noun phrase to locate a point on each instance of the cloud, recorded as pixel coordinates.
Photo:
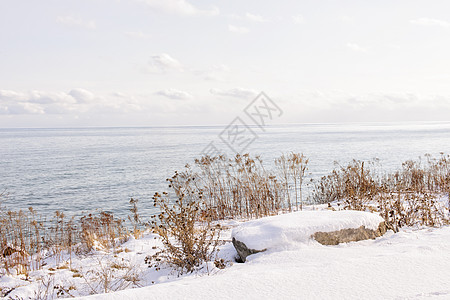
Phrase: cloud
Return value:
(237, 29)
(163, 62)
(431, 22)
(342, 106)
(174, 94)
(178, 7)
(33, 102)
(340, 100)
(298, 19)
(236, 93)
(76, 22)
(355, 47)
(136, 34)
(82, 96)
(8, 95)
(20, 109)
(75, 101)
(255, 18)
(214, 72)
(36, 97)
(249, 17)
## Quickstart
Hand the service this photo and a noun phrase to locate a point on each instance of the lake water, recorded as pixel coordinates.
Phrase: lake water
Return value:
(85, 169)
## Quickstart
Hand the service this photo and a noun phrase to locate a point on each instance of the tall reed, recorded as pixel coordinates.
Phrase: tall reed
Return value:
(411, 196)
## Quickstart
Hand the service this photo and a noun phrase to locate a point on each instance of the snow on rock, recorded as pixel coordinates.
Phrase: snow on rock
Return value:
(288, 230)
(410, 264)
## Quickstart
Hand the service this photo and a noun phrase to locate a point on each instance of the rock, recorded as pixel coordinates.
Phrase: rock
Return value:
(349, 235)
(243, 251)
(289, 231)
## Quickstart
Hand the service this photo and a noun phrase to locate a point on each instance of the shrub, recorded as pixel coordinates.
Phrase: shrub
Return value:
(411, 196)
(18, 240)
(292, 168)
(135, 219)
(101, 231)
(354, 184)
(242, 187)
(238, 187)
(25, 237)
(184, 226)
(112, 275)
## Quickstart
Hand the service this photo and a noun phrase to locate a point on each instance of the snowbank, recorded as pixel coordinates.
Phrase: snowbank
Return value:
(411, 264)
(286, 231)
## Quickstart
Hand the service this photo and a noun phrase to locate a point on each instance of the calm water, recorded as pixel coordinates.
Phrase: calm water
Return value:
(85, 169)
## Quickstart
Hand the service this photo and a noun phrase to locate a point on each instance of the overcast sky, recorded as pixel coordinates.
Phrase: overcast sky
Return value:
(185, 62)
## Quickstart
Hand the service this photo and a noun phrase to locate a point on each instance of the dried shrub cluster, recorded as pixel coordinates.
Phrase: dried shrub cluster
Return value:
(242, 187)
(111, 275)
(413, 195)
(184, 226)
(292, 168)
(26, 239)
(238, 187)
(101, 231)
(354, 181)
(218, 188)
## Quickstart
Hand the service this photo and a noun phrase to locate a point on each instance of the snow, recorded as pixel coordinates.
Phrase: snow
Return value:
(411, 264)
(286, 231)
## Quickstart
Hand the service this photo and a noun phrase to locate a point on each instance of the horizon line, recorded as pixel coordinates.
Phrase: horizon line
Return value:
(225, 124)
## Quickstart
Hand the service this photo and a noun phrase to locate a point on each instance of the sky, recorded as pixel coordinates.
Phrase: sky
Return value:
(71, 63)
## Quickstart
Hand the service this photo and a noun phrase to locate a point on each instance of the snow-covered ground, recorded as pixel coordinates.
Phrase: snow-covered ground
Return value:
(411, 264)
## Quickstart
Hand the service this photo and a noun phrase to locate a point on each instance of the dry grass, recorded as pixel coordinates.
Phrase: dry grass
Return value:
(241, 187)
(135, 219)
(214, 189)
(218, 188)
(411, 196)
(292, 168)
(26, 239)
(189, 239)
(20, 236)
(111, 275)
(237, 187)
(101, 231)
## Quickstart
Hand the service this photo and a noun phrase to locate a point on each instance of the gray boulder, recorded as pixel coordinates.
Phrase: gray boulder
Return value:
(243, 251)
(349, 235)
(276, 233)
